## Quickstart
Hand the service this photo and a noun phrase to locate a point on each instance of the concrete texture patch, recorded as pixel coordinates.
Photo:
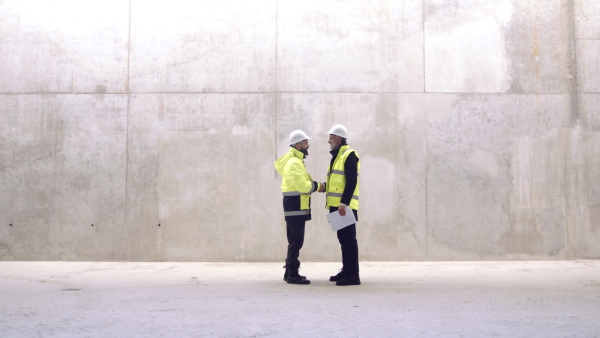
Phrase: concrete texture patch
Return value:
(499, 161)
(64, 47)
(471, 40)
(588, 65)
(589, 114)
(64, 164)
(202, 46)
(320, 44)
(190, 180)
(587, 15)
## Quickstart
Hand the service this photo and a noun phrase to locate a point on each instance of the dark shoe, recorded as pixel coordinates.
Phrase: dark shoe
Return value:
(294, 278)
(339, 276)
(286, 273)
(349, 279)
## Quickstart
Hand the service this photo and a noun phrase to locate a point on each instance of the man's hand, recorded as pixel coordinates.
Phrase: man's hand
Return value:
(321, 187)
(342, 210)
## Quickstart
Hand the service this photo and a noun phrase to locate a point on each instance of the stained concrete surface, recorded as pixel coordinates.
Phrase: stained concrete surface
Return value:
(477, 125)
(396, 299)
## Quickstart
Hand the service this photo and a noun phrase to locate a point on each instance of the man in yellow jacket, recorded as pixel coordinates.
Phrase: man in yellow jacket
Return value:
(342, 191)
(296, 186)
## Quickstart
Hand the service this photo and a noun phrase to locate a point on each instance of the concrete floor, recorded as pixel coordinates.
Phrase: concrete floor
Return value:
(396, 299)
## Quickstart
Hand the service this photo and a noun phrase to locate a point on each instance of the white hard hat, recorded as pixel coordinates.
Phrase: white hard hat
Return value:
(297, 136)
(338, 130)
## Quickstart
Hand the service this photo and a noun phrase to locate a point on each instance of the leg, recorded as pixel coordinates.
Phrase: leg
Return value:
(295, 236)
(347, 238)
(345, 264)
(349, 244)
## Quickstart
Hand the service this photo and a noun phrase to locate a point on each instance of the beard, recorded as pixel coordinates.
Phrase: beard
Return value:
(304, 151)
(333, 145)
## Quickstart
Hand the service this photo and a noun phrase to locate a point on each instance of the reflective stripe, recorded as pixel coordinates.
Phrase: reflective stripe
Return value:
(339, 172)
(296, 213)
(294, 193)
(337, 194)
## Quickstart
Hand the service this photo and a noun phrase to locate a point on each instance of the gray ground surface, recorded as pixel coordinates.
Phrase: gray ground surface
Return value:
(396, 299)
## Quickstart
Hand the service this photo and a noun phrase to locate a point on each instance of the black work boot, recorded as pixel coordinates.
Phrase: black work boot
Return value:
(351, 278)
(294, 278)
(339, 275)
(286, 273)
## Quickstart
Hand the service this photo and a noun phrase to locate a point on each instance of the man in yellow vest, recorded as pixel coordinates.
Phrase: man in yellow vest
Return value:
(296, 185)
(342, 196)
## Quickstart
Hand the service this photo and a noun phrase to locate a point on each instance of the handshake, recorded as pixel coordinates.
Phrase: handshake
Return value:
(321, 187)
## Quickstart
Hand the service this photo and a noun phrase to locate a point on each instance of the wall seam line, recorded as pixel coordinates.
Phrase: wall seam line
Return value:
(572, 194)
(423, 7)
(127, 120)
(276, 78)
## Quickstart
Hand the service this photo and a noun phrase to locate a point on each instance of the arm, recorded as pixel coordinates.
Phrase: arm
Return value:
(351, 172)
(298, 176)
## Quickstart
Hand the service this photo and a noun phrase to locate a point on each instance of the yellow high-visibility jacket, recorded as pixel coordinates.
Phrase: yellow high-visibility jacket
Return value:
(296, 185)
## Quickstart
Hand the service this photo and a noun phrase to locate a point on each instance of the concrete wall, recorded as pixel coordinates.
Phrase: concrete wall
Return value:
(147, 130)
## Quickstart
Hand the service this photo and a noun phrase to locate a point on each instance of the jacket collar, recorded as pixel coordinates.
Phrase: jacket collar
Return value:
(297, 153)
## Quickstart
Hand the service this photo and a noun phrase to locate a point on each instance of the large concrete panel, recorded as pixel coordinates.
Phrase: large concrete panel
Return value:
(586, 154)
(497, 173)
(201, 166)
(465, 46)
(539, 45)
(588, 55)
(350, 46)
(587, 19)
(589, 112)
(63, 46)
(586, 176)
(203, 46)
(499, 46)
(585, 234)
(388, 133)
(62, 171)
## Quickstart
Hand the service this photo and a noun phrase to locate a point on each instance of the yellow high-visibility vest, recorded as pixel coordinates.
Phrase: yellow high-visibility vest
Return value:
(336, 179)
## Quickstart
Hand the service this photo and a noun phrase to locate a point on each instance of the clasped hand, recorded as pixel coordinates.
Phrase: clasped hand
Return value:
(321, 187)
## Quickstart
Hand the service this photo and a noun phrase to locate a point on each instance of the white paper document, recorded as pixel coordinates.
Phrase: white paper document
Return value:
(338, 221)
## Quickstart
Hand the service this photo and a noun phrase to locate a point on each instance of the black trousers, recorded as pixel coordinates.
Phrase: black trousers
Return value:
(295, 237)
(349, 244)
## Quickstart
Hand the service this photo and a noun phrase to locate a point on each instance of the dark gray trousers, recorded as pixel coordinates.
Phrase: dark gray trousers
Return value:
(295, 237)
(349, 244)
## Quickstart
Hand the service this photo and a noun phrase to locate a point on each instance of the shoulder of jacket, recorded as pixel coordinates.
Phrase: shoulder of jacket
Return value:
(348, 151)
(293, 160)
